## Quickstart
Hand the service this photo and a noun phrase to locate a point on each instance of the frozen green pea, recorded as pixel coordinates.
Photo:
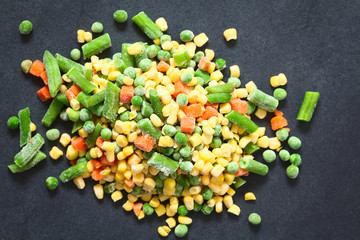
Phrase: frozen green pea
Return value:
(186, 77)
(124, 116)
(292, 171)
(220, 64)
(200, 81)
(97, 27)
(165, 38)
(198, 130)
(182, 210)
(176, 156)
(139, 91)
(282, 134)
(232, 167)
(295, 159)
(148, 209)
(116, 56)
(163, 55)
(181, 230)
(198, 55)
(136, 101)
(186, 166)
(152, 51)
(52, 134)
(217, 130)
(64, 116)
(254, 219)
(105, 134)
(25, 27)
(269, 156)
(182, 99)
(85, 115)
(139, 81)
(216, 142)
(75, 54)
(52, 183)
(120, 80)
(169, 130)
(74, 115)
(294, 142)
(181, 138)
(207, 193)
(130, 72)
(284, 155)
(145, 64)
(167, 151)
(280, 94)
(186, 36)
(192, 64)
(185, 151)
(13, 122)
(120, 16)
(137, 190)
(89, 126)
(26, 65)
(234, 80)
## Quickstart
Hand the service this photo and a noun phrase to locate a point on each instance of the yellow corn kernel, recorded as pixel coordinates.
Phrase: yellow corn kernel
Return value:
(116, 196)
(127, 174)
(88, 36)
(128, 81)
(222, 161)
(132, 198)
(171, 209)
(82, 133)
(193, 96)
(79, 182)
(211, 202)
(195, 139)
(218, 207)
(263, 142)
(206, 138)
(135, 49)
(153, 171)
(274, 143)
(174, 200)
(171, 222)
(166, 46)
(138, 178)
(169, 186)
(156, 121)
(63, 88)
(191, 47)
(146, 197)
(128, 206)
(230, 34)
(128, 150)
(207, 168)
(211, 69)
(250, 86)
(199, 165)
(32, 127)
(225, 108)
(184, 220)
(260, 113)
(206, 155)
(138, 168)
(156, 41)
(108, 146)
(122, 141)
(55, 153)
(99, 191)
(141, 215)
(210, 54)
(215, 187)
(235, 71)
(201, 39)
(217, 170)
(260, 131)
(113, 75)
(71, 153)
(80, 36)
(234, 209)
(195, 190)
(154, 202)
(172, 119)
(228, 201)
(65, 139)
(162, 232)
(274, 81)
(189, 202)
(231, 191)
(249, 196)
(166, 141)
(162, 24)
(163, 197)
(217, 75)
(207, 129)
(241, 92)
(149, 184)
(229, 178)
(244, 141)
(282, 80)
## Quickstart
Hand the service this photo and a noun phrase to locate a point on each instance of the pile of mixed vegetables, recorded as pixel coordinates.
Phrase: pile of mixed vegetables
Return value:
(157, 122)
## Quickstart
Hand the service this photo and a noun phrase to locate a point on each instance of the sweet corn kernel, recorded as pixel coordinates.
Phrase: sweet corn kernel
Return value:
(249, 196)
(195, 139)
(99, 191)
(79, 182)
(217, 170)
(113, 75)
(191, 47)
(260, 131)
(108, 146)
(166, 141)
(211, 68)
(244, 141)
(122, 141)
(82, 133)
(135, 49)
(218, 207)
(128, 150)
(235, 71)
(154, 202)
(156, 121)
(162, 24)
(210, 54)
(228, 201)
(231, 191)
(65, 139)
(230, 34)
(274, 143)
(217, 75)
(184, 220)
(282, 80)
(250, 86)
(149, 184)
(71, 153)
(128, 206)
(116, 196)
(32, 127)
(260, 113)
(263, 142)
(55, 153)
(128, 81)
(229, 178)
(80, 36)
(201, 39)
(167, 46)
(88, 36)
(225, 108)
(234, 209)
(274, 81)
(171, 222)
(162, 232)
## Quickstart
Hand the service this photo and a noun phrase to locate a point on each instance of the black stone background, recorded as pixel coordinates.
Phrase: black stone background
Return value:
(315, 43)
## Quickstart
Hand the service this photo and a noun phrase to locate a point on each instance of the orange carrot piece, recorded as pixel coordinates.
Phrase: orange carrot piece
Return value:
(181, 87)
(72, 92)
(73, 162)
(37, 68)
(278, 122)
(127, 92)
(44, 93)
(193, 110)
(105, 162)
(213, 105)
(179, 171)
(278, 113)
(43, 76)
(137, 208)
(162, 66)
(70, 95)
(79, 144)
(96, 163)
(241, 172)
(130, 183)
(239, 105)
(204, 63)
(145, 143)
(99, 143)
(210, 112)
(187, 124)
(96, 175)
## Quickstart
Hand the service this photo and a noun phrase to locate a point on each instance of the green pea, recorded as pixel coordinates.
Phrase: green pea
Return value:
(165, 38)
(182, 99)
(186, 77)
(116, 56)
(282, 134)
(197, 207)
(148, 155)
(89, 126)
(64, 116)
(25, 27)
(137, 190)
(130, 72)
(292, 171)
(181, 230)
(220, 64)
(295, 159)
(74, 115)
(182, 210)
(198, 130)
(120, 16)
(198, 55)
(136, 101)
(216, 142)
(207, 193)
(167, 151)
(217, 130)
(163, 55)
(194, 180)
(75, 54)
(186, 36)
(269, 156)
(26, 65)
(280, 94)
(52, 134)
(169, 130)
(232, 167)
(185, 151)
(158, 181)
(254, 219)
(294, 142)
(284, 155)
(192, 64)
(251, 108)
(234, 80)
(148, 209)
(186, 166)
(181, 138)
(152, 51)
(51, 183)
(125, 116)
(97, 27)
(88, 156)
(145, 64)
(13, 122)
(85, 115)
(176, 156)
(105, 134)
(120, 80)
(109, 188)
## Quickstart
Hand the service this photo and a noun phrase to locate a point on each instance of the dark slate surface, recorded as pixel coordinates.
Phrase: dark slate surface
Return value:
(315, 43)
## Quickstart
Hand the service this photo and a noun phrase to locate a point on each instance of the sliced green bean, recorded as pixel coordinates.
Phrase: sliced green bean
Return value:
(96, 46)
(95, 99)
(91, 139)
(76, 126)
(251, 148)
(77, 77)
(35, 160)
(242, 121)
(156, 103)
(52, 113)
(112, 100)
(146, 126)
(61, 97)
(52, 72)
(163, 163)
(88, 74)
(29, 151)
(263, 100)
(147, 25)
(96, 109)
(142, 55)
(182, 59)
(253, 166)
(219, 98)
(24, 122)
(221, 88)
(66, 64)
(73, 172)
(204, 75)
(129, 60)
(239, 182)
(308, 106)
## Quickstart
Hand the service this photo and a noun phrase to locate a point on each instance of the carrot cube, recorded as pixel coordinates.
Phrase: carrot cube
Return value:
(145, 143)
(187, 124)
(127, 92)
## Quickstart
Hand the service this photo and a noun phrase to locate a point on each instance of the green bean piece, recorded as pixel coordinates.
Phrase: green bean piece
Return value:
(254, 219)
(91, 139)
(204, 75)
(308, 106)
(94, 99)
(24, 122)
(163, 163)
(66, 64)
(35, 160)
(242, 121)
(29, 151)
(77, 77)
(145, 125)
(96, 46)
(221, 88)
(120, 65)
(111, 103)
(52, 113)
(129, 60)
(73, 172)
(253, 166)
(239, 182)
(142, 55)
(263, 100)
(146, 108)
(147, 26)
(183, 181)
(182, 59)
(76, 126)
(61, 97)
(156, 103)
(25, 27)
(219, 98)
(96, 109)
(88, 73)
(251, 148)
(53, 73)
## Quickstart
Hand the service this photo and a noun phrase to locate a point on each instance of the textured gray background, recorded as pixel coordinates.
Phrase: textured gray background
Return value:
(315, 43)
